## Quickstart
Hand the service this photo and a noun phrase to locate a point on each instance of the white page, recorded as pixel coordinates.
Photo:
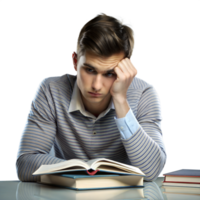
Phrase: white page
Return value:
(108, 162)
(61, 166)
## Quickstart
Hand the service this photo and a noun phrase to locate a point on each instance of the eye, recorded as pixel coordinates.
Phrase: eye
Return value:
(111, 74)
(87, 69)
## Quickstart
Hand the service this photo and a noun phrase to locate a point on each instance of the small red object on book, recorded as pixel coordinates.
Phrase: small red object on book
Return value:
(93, 172)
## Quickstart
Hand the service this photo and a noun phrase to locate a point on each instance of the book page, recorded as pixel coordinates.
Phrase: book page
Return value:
(107, 162)
(92, 162)
(113, 169)
(61, 166)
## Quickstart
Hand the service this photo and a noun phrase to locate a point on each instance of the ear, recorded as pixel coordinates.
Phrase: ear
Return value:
(74, 60)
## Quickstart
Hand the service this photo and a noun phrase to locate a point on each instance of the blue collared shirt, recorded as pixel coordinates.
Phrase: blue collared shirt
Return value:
(127, 125)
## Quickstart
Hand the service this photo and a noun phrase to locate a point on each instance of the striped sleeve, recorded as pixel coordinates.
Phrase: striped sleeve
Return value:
(145, 148)
(38, 137)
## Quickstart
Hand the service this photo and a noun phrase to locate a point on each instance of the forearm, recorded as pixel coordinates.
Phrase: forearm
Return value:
(28, 163)
(121, 107)
(145, 153)
(144, 146)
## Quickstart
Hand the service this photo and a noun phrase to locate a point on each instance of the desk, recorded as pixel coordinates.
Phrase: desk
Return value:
(11, 190)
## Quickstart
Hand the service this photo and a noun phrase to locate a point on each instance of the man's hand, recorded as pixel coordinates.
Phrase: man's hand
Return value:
(125, 72)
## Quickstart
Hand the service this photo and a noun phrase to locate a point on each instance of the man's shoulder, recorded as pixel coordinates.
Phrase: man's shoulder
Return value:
(139, 84)
(139, 88)
(66, 81)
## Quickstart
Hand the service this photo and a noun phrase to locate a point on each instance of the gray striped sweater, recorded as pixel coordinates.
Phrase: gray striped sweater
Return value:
(72, 134)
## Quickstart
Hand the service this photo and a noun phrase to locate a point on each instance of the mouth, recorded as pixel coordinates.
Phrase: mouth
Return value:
(94, 94)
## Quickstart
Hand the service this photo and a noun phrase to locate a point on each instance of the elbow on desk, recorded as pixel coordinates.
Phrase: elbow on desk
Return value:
(155, 172)
(23, 169)
(150, 179)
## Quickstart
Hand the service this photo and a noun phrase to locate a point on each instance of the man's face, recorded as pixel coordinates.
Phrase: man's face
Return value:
(96, 75)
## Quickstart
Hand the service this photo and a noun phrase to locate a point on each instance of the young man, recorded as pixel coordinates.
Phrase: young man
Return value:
(104, 111)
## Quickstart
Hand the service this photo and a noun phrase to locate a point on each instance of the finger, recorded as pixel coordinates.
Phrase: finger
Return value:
(125, 66)
(119, 73)
(131, 68)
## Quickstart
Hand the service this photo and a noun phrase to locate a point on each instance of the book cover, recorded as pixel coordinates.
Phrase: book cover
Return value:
(92, 174)
(188, 176)
(88, 182)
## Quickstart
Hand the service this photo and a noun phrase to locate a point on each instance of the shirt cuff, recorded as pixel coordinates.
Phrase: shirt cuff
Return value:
(127, 125)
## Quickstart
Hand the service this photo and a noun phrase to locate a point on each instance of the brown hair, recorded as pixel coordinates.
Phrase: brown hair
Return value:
(104, 36)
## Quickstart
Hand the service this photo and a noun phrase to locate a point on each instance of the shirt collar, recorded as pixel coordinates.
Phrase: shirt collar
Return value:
(76, 103)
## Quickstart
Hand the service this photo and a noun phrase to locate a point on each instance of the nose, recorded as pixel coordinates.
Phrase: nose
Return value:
(97, 83)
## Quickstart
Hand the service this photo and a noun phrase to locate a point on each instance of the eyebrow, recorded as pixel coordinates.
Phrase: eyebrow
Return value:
(88, 65)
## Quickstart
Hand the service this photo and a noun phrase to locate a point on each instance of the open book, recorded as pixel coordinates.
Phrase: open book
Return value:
(91, 167)
(97, 173)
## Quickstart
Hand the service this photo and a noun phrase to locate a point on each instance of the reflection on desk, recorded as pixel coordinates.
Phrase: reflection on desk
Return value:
(28, 190)
(183, 193)
(12, 190)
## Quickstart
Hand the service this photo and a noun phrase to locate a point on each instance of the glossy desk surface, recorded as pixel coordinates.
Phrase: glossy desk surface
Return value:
(152, 190)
